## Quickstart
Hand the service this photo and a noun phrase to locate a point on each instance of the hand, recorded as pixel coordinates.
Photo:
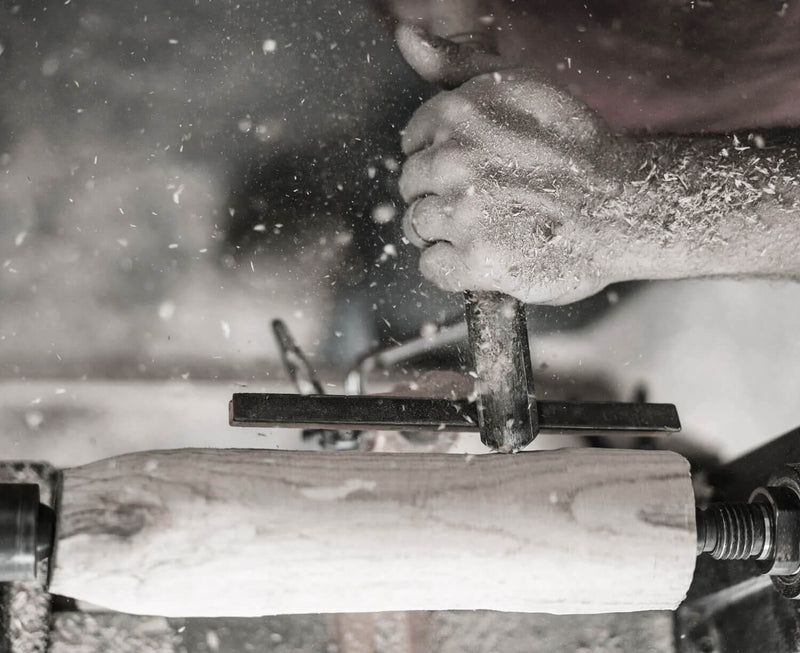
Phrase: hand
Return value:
(501, 179)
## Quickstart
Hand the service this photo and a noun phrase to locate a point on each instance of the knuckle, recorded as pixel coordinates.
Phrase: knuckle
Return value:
(456, 107)
(465, 214)
(475, 255)
(566, 116)
(482, 80)
(450, 164)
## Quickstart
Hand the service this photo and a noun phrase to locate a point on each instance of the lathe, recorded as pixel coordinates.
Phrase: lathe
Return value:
(246, 533)
(191, 533)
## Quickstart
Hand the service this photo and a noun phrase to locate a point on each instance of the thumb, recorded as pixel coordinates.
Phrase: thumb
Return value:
(442, 61)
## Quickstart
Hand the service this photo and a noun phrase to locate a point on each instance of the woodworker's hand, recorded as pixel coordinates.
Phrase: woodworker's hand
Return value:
(501, 178)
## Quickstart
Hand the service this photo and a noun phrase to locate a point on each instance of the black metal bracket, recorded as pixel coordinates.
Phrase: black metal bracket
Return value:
(315, 412)
(424, 414)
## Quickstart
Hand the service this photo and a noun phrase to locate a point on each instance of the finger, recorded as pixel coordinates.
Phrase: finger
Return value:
(444, 265)
(430, 220)
(441, 61)
(437, 170)
(432, 123)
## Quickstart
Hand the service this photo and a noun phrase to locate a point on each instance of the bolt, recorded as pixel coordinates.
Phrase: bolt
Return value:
(736, 531)
(766, 529)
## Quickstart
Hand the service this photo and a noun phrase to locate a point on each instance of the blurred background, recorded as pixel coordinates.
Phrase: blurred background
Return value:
(174, 176)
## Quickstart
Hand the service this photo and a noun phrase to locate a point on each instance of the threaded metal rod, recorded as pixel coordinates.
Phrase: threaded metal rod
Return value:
(736, 531)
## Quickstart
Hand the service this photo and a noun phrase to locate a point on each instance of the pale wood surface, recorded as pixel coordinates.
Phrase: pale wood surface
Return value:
(250, 532)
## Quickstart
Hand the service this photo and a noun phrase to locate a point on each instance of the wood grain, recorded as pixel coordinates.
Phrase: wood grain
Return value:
(254, 532)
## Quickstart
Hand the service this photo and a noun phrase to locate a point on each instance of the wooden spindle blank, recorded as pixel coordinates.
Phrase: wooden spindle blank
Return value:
(254, 532)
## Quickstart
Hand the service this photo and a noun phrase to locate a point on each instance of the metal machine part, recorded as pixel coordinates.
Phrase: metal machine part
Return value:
(26, 531)
(295, 362)
(733, 606)
(29, 494)
(306, 382)
(356, 380)
(736, 531)
(424, 414)
(508, 419)
(766, 529)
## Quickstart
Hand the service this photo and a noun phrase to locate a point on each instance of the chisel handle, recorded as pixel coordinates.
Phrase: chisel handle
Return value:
(498, 341)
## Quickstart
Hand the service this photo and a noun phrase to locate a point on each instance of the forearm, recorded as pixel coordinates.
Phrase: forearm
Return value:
(706, 206)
